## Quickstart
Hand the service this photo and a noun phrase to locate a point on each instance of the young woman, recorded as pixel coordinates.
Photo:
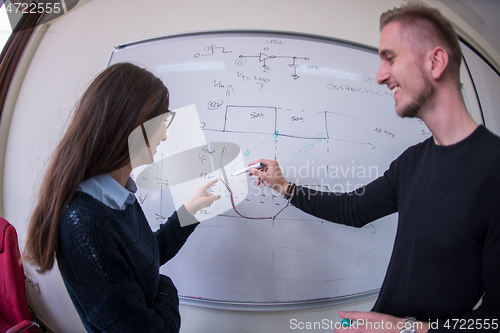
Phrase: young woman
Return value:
(88, 217)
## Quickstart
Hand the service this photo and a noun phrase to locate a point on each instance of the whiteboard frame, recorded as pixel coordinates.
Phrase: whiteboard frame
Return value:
(469, 72)
(251, 32)
(265, 306)
(276, 306)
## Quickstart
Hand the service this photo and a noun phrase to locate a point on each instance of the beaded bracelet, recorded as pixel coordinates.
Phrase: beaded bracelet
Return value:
(289, 190)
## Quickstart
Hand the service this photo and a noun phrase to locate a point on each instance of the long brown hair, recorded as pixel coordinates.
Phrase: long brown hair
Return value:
(118, 100)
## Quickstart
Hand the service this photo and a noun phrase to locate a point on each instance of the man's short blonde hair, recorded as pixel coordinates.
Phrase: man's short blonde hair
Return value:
(425, 27)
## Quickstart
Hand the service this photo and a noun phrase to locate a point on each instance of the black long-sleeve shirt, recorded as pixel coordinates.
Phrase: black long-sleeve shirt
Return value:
(446, 253)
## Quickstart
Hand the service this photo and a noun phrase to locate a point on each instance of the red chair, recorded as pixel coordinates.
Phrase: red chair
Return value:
(14, 312)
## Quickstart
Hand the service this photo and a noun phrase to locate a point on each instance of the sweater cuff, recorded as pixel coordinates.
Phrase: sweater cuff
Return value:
(185, 217)
(298, 192)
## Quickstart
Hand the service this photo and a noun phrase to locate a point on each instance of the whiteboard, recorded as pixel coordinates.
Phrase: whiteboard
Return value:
(313, 104)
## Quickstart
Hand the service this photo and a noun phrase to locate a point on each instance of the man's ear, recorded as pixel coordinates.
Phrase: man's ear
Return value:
(438, 61)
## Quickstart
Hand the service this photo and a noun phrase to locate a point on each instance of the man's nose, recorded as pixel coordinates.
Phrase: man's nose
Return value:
(382, 74)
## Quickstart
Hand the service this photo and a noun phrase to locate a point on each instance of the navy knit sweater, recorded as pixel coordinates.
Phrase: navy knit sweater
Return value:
(447, 249)
(110, 259)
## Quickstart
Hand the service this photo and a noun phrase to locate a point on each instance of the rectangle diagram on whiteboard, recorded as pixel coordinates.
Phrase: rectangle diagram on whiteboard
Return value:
(250, 119)
(301, 124)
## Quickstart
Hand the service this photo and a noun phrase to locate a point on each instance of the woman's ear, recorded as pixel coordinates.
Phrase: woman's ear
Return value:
(438, 61)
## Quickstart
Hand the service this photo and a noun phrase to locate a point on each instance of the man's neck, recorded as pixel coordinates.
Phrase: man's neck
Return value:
(449, 120)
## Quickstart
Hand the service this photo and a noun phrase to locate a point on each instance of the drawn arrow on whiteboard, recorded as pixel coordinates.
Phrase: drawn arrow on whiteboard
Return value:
(370, 146)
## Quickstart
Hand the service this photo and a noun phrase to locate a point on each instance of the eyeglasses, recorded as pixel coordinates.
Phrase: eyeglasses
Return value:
(170, 115)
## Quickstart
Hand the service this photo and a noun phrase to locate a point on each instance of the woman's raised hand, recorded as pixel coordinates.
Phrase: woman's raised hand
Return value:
(201, 198)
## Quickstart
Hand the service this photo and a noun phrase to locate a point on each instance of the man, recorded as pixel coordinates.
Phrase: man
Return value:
(446, 190)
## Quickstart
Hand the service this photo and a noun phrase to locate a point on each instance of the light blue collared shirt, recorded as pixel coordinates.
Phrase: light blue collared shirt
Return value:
(108, 191)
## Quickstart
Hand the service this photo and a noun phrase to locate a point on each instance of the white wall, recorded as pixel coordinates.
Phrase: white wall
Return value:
(66, 54)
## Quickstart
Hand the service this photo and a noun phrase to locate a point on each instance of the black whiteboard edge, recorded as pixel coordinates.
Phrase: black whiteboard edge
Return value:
(475, 89)
(283, 33)
(278, 306)
(479, 54)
